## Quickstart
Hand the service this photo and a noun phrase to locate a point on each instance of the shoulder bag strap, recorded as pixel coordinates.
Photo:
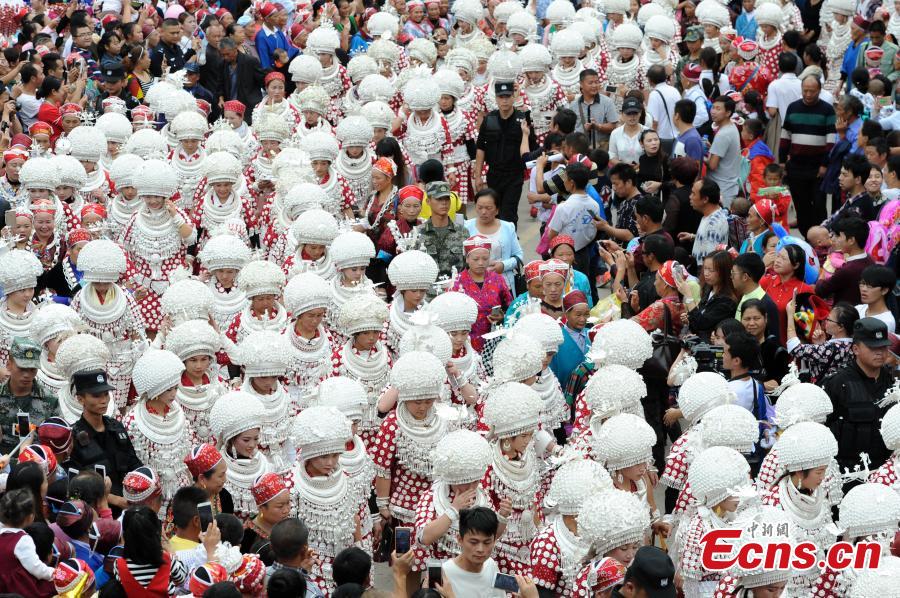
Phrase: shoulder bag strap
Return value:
(665, 107)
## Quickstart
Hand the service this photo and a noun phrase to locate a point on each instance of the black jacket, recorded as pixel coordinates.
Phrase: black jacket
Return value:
(856, 419)
(164, 54)
(711, 310)
(248, 86)
(111, 448)
(211, 73)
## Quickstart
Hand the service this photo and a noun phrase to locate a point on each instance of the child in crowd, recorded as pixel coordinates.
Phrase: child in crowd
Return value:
(737, 221)
(24, 572)
(780, 194)
(859, 87)
(541, 202)
(576, 341)
(819, 239)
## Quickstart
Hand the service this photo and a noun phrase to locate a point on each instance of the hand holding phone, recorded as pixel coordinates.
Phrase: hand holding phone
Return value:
(100, 469)
(507, 583)
(24, 424)
(435, 573)
(204, 509)
(402, 539)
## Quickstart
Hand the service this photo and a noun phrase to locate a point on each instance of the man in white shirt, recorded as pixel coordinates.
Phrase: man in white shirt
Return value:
(472, 573)
(576, 216)
(785, 90)
(26, 103)
(661, 106)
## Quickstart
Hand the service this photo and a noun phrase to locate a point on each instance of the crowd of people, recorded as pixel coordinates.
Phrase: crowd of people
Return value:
(268, 327)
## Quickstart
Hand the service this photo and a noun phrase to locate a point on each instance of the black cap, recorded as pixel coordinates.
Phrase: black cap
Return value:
(113, 72)
(871, 332)
(504, 88)
(93, 382)
(632, 106)
(652, 570)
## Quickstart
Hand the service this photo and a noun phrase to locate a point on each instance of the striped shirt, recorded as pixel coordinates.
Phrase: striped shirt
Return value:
(144, 574)
(807, 134)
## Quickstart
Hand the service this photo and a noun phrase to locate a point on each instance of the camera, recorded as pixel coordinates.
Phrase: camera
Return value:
(708, 357)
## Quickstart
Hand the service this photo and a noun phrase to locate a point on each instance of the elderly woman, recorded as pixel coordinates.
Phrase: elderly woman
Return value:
(506, 253)
(554, 274)
(485, 286)
(562, 247)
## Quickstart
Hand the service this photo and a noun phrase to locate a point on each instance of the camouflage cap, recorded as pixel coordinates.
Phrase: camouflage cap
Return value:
(694, 33)
(438, 190)
(25, 352)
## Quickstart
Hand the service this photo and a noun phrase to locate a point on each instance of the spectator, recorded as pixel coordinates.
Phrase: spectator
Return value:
(286, 583)
(661, 106)
(186, 518)
(290, 543)
(139, 79)
(830, 346)
(242, 78)
(24, 572)
(146, 569)
(741, 359)
(724, 159)
(114, 85)
(578, 217)
(713, 228)
(271, 38)
(562, 247)
(596, 113)
(506, 253)
(653, 317)
(473, 571)
(855, 392)
(23, 393)
(718, 300)
(52, 96)
(624, 141)
(746, 272)
(655, 251)
(774, 357)
(876, 286)
(168, 52)
(679, 216)
(784, 91)
(504, 137)
(352, 566)
(758, 154)
(653, 165)
(687, 141)
(576, 340)
(693, 92)
(785, 281)
(624, 184)
(487, 287)
(807, 136)
(855, 172)
(849, 237)
(27, 102)
(440, 237)
(651, 570)
(101, 440)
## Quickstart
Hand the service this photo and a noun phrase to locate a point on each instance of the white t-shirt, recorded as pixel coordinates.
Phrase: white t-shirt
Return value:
(783, 92)
(887, 317)
(473, 585)
(624, 148)
(28, 109)
(663, 111)
(575, 217)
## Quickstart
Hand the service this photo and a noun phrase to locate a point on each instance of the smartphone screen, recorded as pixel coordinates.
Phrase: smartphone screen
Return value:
(72, 472)
(100, 469)
(434, 573)
(206, 516)
(24, 422)
(402, 537)
(10, 219)
(611, 89)
(507, 583)
(497, 310)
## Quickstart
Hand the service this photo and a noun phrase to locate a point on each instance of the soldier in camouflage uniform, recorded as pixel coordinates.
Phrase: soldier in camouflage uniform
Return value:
(22, 392)
(439, 236)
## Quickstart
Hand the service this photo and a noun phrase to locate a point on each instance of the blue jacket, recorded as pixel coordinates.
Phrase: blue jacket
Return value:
(746, 26)
(266, 44)
(569, 357)
(510, 249)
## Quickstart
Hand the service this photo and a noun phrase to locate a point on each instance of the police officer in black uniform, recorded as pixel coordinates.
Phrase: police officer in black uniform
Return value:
(100, 440)
(505, 136)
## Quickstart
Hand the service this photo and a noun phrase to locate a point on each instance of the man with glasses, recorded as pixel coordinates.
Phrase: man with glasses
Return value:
(84, 48)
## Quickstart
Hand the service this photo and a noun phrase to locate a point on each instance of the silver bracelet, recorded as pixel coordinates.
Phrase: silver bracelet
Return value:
(382, 502)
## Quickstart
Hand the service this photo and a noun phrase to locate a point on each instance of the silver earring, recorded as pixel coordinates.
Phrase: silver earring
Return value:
(619, 477)
(506, 445)
(800, 484)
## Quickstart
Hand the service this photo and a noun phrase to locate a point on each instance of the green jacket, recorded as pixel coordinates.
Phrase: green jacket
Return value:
(887, 61)
(40, 404)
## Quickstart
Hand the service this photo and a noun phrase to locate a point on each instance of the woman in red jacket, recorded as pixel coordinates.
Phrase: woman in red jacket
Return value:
(53, 94)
